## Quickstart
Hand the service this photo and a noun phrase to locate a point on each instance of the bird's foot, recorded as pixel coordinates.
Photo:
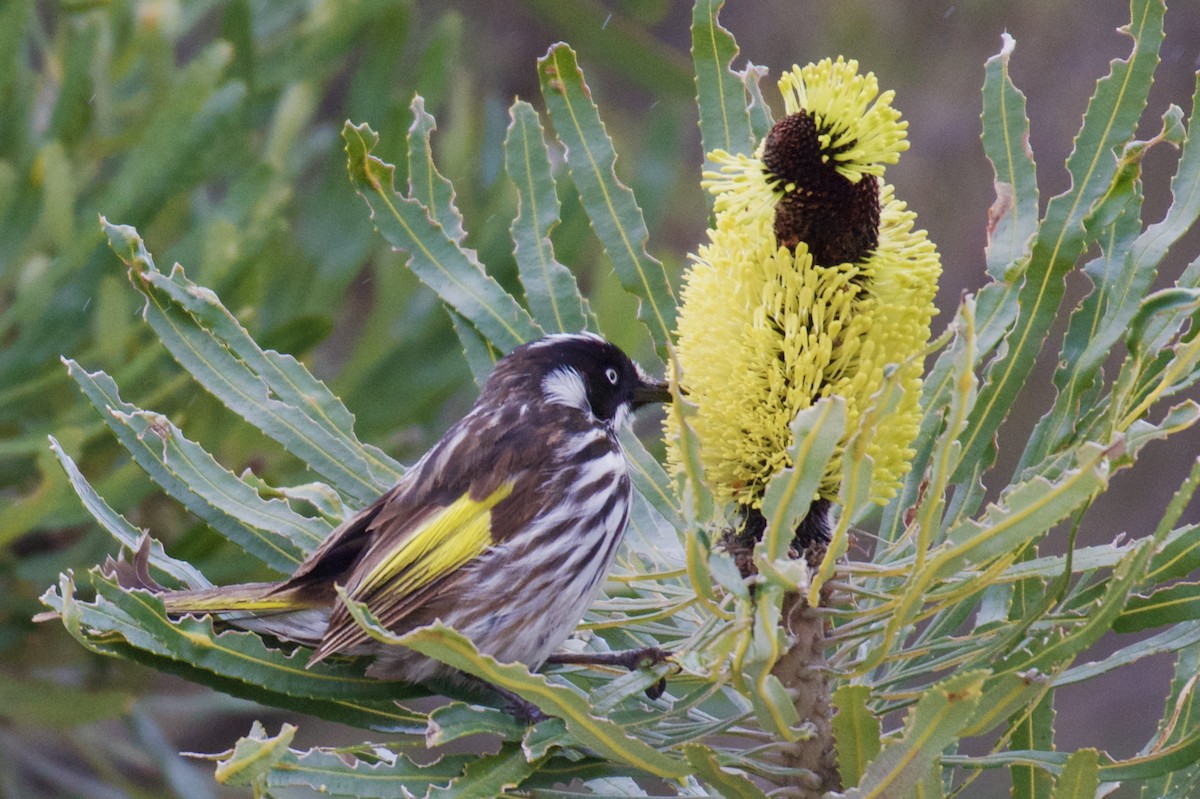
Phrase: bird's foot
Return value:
(631, 659)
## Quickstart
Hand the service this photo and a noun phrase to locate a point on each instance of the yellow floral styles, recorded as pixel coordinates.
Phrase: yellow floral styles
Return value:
(814, 282)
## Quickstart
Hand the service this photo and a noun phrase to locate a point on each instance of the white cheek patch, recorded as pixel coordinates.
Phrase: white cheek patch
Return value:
(565, 386)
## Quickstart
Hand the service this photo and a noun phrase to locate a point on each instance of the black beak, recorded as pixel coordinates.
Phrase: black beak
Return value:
(647, 392)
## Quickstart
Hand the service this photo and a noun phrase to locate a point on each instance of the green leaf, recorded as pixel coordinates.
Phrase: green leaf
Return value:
(458, 719)
(133, 625)
(427, 185)
(932, 725)
(1109, 121)
(1181, 716)
(119, 528)
(252, 757)
(435, 257)
(1175, 603)
(720, 92)
(1032, 730)
(491, 775)
(375, 773)
(1080, 777)
(856, 731)
(273, 392)
(1013, 217)
(707, 768)
(615, 215)
(816, 433)
(447, 646)
(268, 529)
(550, 288)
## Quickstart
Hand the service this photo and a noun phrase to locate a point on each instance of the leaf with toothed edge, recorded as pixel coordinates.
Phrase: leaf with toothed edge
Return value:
(614, 212)
(435, 257)
(450, 647)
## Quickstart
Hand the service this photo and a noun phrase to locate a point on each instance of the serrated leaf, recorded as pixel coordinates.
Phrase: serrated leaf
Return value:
(720, 93)
(273, 392)
(856, 731)
(119, 528)
(447, 646)
(267, 529)
(550, 288)
(458, 719)
(254, 756)
(1175, 603)
(434, 256)
(613, 210)
(488, 776)
(708, 769)
(816, 432)
(931, 725)
(371, 774)
(1080, 777)
(427, 185)
(1013, 217)
(1109, 121)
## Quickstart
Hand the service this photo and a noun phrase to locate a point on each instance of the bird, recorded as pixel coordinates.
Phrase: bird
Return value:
(504, 530)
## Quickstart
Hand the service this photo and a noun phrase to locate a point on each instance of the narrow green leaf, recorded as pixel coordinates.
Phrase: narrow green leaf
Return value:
(1173, 639)
(119, 528)
(930, 726)
(434, 256)
(444, 644)
(1181, 716)
(720, 92)
(1004, 696)
(252, 757)
(856, 732)
(615, 215)
(458, 719)
(1175, 603)
(270, 391)
(131, 625)
(1109, 122)
(707, 768)
(268, 529)
(1080, 778)
(1032, 730)
(427, 185)
(550, 288)
(816, 432)
(480, 354)
(1013, 218)
(650, 479)
(372, 774)
(491, 775)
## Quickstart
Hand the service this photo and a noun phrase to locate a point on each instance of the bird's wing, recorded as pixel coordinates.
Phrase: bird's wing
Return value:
(481, 482)
(410, 560)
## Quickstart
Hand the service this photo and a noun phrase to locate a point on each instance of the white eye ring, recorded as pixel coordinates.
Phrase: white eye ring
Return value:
(612, 375)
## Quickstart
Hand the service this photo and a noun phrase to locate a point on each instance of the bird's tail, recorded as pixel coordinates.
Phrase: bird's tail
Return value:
(284, 612)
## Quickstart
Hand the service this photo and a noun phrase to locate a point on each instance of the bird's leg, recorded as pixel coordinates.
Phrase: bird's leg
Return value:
(631, 659)
(520, 708)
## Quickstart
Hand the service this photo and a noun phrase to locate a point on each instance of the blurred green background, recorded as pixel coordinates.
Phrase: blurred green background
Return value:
(213, 128)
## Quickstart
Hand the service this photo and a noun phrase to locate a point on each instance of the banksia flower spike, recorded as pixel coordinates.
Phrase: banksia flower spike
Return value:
(814, 281)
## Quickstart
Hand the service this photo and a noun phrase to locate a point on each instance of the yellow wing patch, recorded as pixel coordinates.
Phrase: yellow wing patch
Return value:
(444, 542)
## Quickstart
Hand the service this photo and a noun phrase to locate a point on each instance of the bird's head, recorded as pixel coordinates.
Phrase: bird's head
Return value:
(581, 371)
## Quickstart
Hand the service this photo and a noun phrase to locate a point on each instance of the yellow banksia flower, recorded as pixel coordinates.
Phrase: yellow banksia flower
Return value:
(814, 282)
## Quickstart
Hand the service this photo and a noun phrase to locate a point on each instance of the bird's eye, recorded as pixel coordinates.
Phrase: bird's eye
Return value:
(612, 375)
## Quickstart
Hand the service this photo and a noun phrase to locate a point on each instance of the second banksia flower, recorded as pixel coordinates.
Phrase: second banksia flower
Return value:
(814, 281)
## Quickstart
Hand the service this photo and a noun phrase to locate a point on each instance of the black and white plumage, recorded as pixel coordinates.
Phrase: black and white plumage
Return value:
(504, 530)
